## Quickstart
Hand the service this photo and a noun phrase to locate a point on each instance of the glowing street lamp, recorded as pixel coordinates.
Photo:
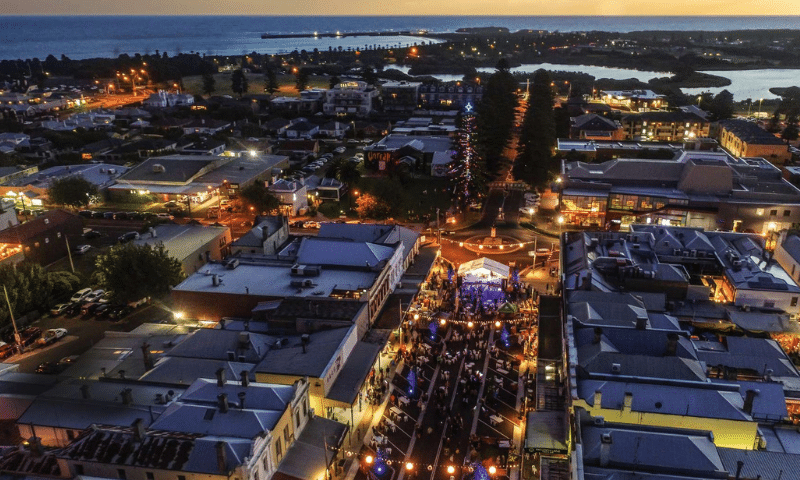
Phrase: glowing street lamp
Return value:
(369, 459)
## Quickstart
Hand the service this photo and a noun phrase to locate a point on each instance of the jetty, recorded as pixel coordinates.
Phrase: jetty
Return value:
(407, 33)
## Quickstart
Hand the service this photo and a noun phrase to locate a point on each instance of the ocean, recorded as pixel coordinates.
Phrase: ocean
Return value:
(81, 37)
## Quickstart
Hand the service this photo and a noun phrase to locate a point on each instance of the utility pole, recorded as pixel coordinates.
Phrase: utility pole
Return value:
(69, 254)
(17, 336)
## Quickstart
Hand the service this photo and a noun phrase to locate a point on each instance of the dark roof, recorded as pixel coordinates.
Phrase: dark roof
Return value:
(665, 117)
(317, 308)
(176, 169)
(52, 220)
(750, 132)
(594, 122)
(760, 463)
(302, 127)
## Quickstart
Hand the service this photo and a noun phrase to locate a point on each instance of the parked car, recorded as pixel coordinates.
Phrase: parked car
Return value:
(88, 309)
(59, 309)
(118, 313)
(94, 296)
(80, 294)
(6, 350)
(108, 215)
(73, 309)
(339, 150)
(50, 336)
(66, 361)
(101, 309)
(92, 234)
(164, 216)
(86, 213)
(121, 216)
(99, 215)
(49, 368)
(81, 249)
(127, 237)
(30, 335)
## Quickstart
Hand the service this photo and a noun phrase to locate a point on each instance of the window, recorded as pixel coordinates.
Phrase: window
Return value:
(759, 211)
(787, 213)
(121, 474)
(769, 304)
(70, 435)
(265, 463)
(286, 434)
(305, 409)
(149, 475)
(297, 418)
(181, 477)
(794, 301)
(772, 213)
(78, 469)
(278, 450)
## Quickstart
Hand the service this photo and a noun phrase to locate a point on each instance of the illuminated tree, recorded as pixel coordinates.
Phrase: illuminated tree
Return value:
(468, 175)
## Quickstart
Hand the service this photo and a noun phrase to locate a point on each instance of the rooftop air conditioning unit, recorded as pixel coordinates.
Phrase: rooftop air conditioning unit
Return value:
(158, 168)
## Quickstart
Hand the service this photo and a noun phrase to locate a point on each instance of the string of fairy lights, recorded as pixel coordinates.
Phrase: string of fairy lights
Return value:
(372, 459)
(482, 246)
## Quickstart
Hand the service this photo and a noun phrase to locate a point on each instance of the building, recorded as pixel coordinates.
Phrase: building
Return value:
(302, 129)
(400, 96)
(192, 245)
(313, 268)
(698, 189)
(747, 139)
(635, 100)
(44, 238)
(292, 195)
(450, 95)
(163, 99)
(297, 149)
(664, 126)
(405, 151)
(601, 150)
(388, 235)
(425, 126)
(176, 177)
(787, 253)
(101, 175)
(324, 188)
(268, 235)
(205, 126)
(350, 98)
(8, 175)
(594, 127)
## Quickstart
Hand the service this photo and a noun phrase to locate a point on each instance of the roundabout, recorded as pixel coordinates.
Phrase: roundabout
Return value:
(488, 245)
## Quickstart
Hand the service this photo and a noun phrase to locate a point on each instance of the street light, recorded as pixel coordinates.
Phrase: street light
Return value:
(409, 466)
(492, 470)
(760, 100)
(451, 469)
(369, 459)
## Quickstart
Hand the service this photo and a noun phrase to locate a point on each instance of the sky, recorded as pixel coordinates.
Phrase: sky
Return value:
(397, 7)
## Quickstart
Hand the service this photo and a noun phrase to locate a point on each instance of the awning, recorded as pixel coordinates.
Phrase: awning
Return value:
(344, 391)
(313, 452)
(546, 432)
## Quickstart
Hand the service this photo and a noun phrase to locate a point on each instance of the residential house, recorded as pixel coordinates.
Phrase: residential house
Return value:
(595, 127)
(664, 126)
(268, 235)
(206, 126)
(302, 129)
(747, 139)
(44, 238)
(292, 195)
(192, 245)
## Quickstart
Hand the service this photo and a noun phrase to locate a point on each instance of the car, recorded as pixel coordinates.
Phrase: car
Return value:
(59, 309)
(339, 150)
(86, 213)
(353, 141)
(127, 237)
(359, 156)
(101, 309)
(121, 216)
(81, 249)
(135, 216)
(49, 368)
(7, 350)
(29, 335)
(92, 234)
(73, 309)
(327, 156)
(66, 361)
(80, 294)
(118, 313)
(50, 336)
(171, 204)
(88, 309)
(355, 160)
(94, 296)
(225, 202)
(164, 216)
(108, 215)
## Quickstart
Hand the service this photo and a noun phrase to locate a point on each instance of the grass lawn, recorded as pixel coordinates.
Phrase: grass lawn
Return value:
(256, 84)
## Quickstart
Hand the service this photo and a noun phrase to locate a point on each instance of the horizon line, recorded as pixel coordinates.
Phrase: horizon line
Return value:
(380, 16)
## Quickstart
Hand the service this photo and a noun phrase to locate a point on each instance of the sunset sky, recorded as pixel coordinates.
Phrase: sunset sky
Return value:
(397, 7)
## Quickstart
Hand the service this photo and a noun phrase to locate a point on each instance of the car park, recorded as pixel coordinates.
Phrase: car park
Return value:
(94, 296)
(80, 294)
(81, 249)
(52, 335)
(59, 309)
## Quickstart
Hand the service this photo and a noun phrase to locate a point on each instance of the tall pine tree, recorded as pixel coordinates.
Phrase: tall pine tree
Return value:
(468, 173)
(495, 116)
(535, 162)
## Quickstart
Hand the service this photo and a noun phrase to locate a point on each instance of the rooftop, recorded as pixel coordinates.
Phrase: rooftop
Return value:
(180, 241)
(750, 132)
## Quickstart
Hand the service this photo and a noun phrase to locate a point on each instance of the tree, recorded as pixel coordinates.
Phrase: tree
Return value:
(495, 116)
(790, 133)
(131, 272)
(721, 107)
(390, 194)
(31, 287)
(535, 161)
(369, 206)
(301, 82)
(259, 198)
(271, 81)
(369, 75)
(333, 81)
(209, 84)
(72, 191)
(345, 171)
(468, 176)
(239, 82)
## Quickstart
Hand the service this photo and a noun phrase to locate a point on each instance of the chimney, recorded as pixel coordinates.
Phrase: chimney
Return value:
(672, 344)
(605, 448)
(627, 402)
(598, 332)
(304, 340)
(222, 402)
(264, 232)
(35, 445)
(148, 361)
(85, 392)
(739, 465)
(245, 376)
(138, 429)
(214, 280)
(222, 458)
(241, 399)
(220, 377)
(244, 340)
(221, 323)
(750, 396)
(127, 396)
(641, 322)
(121, 374)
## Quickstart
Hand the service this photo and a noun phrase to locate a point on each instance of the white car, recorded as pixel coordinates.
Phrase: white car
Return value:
(94, 296)
(81, 249)
(80, 294)
(50, 336)
(339, 150)
(58, 309)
